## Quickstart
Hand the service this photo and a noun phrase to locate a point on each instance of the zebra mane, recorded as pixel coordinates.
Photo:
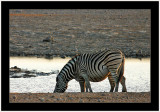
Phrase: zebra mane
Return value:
(72, 60)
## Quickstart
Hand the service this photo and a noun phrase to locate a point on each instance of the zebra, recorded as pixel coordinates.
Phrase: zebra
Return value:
(95, 68)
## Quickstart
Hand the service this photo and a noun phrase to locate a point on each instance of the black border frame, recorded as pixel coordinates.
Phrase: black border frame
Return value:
(153, 5)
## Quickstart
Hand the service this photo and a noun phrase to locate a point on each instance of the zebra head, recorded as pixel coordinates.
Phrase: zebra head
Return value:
(61, 85)
(66, 74)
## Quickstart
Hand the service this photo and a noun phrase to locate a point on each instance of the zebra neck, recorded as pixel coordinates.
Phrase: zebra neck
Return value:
(69, 70)
(68, 73)
(67, 78)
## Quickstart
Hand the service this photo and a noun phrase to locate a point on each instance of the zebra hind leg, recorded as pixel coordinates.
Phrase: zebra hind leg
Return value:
(116, 74)
(112, 82)
(123, 84)
(115, 77)
(117, 85)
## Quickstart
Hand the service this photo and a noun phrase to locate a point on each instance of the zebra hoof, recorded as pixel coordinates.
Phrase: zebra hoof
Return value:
(91, 91)
(124, 91)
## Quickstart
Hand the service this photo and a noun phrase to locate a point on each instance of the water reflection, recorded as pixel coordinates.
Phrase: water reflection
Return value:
(40, 64)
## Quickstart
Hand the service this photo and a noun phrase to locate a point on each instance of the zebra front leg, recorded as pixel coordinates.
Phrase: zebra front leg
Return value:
(87, 83)
(82, 86)
(88, 86)
(123, 84)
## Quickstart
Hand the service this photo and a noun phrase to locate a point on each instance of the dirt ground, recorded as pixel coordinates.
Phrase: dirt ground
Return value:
(79, 31)
(128, 97)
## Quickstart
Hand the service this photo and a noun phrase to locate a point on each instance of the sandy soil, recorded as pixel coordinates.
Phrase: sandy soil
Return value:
(79, 31)
(129, 97)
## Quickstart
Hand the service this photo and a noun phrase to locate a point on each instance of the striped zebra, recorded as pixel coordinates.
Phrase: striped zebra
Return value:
(93, 67)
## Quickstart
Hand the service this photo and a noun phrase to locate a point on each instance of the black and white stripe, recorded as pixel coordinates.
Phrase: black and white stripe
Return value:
(93, 67)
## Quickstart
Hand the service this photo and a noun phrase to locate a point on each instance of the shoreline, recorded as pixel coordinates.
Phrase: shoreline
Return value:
(50, 56)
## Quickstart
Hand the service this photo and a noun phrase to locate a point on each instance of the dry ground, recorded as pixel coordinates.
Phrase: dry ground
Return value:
(79, 31)
(129, 97)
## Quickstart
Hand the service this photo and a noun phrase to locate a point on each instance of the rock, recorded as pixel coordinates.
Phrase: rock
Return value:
(52, 96)
(48, 56)
(29, 75)
(55, 72)
(102, 94)
(14, 97)
(27, 72)
(41, 99)
(80, 101)
(62, 56)
(23, 70)
(42, 74)
(55, 100)
(47, 39)
(67, 95)
(11, 73)
(33, 71)
(69, 98)
(17, 75)
(15, 69)
(39, 56)
(99, 100)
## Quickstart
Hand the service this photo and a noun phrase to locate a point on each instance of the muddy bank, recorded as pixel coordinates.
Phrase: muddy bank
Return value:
(64, 33)
(129, 97)
(16, 72)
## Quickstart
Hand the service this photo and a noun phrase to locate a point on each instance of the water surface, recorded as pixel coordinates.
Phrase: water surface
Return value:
(137, 73)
